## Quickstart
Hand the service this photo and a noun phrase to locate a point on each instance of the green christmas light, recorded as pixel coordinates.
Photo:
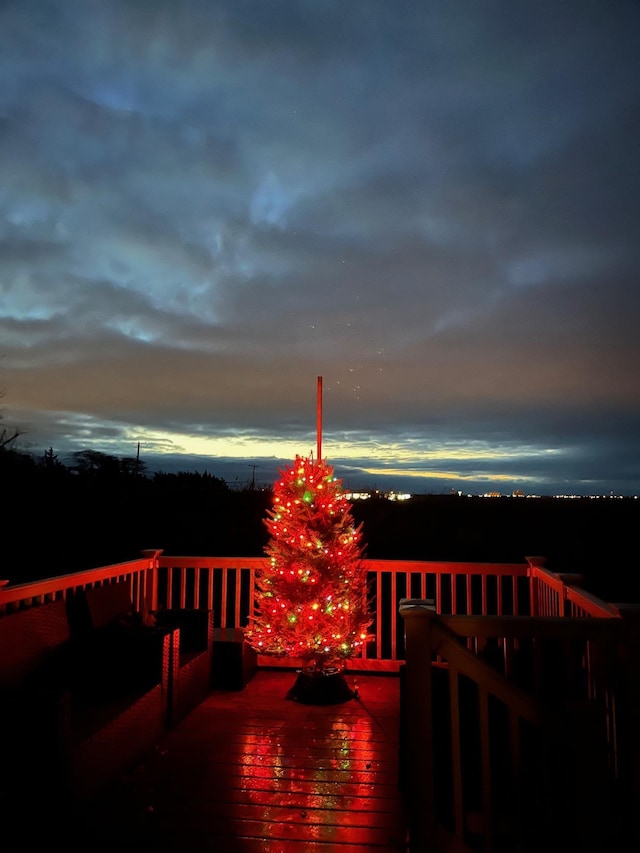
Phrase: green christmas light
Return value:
(314, 571)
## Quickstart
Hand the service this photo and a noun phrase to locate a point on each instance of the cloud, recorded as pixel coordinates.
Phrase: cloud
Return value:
(434, 206)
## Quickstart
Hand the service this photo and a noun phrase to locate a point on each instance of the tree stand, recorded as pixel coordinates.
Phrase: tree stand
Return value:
(321, 687)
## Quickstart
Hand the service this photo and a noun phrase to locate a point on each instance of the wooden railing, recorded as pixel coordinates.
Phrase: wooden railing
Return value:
(519, 730)
(139, 573)
(537, 667)
(226, 585)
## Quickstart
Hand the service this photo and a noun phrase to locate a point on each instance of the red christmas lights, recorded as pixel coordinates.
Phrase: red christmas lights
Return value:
(312, 593)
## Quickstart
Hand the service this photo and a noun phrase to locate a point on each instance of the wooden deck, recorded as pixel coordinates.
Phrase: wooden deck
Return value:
(256, 772)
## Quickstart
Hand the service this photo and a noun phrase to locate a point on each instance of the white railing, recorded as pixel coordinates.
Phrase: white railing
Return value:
(520, 729)
(226, 585)
(470, 625)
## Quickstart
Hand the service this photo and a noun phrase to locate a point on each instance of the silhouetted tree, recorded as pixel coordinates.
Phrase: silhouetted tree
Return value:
(7, 434)
(50, 459)
(130, 466)
(96, 463)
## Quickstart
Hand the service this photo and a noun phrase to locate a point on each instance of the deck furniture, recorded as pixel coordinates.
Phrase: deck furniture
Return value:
(117, 676)
(234, 661)
(191, 657)
(84, 690)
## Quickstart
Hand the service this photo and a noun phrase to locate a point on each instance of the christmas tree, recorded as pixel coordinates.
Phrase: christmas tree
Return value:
(311, 596)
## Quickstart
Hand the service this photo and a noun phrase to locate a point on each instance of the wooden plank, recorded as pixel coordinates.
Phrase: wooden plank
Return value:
(255, 771)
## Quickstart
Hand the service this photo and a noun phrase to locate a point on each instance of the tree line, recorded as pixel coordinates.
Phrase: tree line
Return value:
(100, 509)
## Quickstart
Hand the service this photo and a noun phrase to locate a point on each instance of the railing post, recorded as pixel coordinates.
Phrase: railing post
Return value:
(534, 563)
(151, 580)
(416, 722)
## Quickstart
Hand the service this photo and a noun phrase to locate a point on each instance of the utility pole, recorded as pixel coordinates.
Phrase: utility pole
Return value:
(319, 419)
(253, 476)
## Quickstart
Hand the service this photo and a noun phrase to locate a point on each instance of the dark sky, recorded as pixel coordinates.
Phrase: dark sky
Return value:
(435, 206)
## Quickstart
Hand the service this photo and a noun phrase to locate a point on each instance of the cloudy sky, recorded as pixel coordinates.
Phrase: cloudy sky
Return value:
(435, 206)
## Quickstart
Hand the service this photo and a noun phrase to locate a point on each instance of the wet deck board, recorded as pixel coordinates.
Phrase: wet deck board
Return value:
(256, 771)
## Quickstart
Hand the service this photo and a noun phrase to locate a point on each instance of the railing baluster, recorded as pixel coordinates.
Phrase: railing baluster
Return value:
(485, 757)
(196, 588)
(456, 752)
(394, 614)
(238, 602)
(378, 597)
(515, 766)
(210, 602)
(223, 602)
(169, 593)
(252, 590)
(183, 587)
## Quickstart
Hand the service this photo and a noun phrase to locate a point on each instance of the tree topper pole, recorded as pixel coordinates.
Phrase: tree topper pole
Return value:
(319, 418)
